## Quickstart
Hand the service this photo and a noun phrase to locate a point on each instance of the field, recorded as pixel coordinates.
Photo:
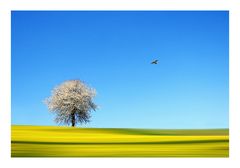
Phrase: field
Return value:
(50, 141)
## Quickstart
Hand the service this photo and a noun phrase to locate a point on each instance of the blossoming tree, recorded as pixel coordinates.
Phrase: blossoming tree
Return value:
(72, 102)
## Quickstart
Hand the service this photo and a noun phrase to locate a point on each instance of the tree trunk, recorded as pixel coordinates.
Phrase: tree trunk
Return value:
(73, 119)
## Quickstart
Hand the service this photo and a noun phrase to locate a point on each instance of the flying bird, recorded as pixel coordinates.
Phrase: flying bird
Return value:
(154, 62)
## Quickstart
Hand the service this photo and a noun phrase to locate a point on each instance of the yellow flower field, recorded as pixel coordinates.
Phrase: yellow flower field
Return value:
(50, 141)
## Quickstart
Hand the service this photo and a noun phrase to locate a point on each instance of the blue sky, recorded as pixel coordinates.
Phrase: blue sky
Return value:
(111, 51)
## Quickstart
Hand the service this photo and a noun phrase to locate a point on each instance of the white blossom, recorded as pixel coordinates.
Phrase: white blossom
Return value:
(72, 102)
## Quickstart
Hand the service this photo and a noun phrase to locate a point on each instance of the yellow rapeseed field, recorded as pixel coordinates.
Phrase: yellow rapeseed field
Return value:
(50, 141)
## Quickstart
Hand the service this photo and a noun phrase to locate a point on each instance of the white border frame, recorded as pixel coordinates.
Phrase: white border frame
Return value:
(5, 59)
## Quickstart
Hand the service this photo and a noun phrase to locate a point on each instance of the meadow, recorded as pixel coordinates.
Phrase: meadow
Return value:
(52, 141)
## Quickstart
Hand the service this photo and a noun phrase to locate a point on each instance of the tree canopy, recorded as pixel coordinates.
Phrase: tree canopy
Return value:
(72, 102)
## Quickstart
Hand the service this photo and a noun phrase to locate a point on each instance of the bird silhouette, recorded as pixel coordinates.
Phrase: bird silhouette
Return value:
(154, 62)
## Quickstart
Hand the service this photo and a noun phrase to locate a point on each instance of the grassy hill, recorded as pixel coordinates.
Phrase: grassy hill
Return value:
(50, 141)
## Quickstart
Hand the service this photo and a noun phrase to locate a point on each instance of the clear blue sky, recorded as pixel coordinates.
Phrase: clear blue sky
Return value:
(112, 51)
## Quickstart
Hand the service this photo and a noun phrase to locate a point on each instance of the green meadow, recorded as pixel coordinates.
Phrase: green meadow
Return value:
(51, 141)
